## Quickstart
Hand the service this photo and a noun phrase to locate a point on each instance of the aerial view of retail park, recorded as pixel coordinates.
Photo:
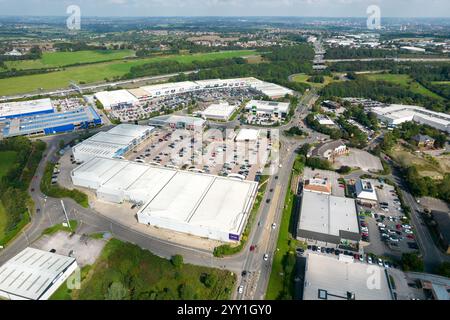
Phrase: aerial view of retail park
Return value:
(200, 155)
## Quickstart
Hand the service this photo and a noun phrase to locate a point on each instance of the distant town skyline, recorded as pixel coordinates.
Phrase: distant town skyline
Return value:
(301, 8)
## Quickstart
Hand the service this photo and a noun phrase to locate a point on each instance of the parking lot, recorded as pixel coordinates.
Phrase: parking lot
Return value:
(200, 99)
(357, 257)
(388, 236)
(85, 249)
(212, 152)
(359, 159)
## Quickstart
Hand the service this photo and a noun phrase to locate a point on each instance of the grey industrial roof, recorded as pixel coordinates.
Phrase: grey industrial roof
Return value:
(327, 214)
(32, 272)
(333, 278)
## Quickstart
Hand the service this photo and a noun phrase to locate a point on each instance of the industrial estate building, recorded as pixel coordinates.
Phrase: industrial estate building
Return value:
(115, 99)
(25, 108)
(268, 108)
(396, 114)
(114, 143)
(198, 204)
(329, 278)
(41, 117)
(34, 274)
(178, 122)
(327, 220)
(219, 111)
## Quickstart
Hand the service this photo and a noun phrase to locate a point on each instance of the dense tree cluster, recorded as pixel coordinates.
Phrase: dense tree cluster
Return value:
(14, 184)
(367, 119)
(381, 91)
(351, 53)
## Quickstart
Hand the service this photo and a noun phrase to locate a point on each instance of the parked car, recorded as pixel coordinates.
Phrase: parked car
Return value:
(408, 231)
(369, 260)
(266, 257)
(241, 289)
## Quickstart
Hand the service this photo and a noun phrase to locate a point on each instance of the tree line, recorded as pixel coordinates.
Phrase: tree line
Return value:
(14, 184)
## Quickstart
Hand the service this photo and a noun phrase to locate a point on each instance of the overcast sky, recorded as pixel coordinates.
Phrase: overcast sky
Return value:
(323, 8)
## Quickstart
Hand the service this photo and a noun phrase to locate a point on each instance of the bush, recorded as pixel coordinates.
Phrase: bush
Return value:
(412, 262)
(444, 269)
(177, 261)
(344, 170)
(317, 163)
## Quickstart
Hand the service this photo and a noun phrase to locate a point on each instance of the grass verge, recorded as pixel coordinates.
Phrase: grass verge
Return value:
(56, 191)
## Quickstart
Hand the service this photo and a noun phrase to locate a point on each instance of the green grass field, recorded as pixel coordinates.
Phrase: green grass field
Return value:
(124, 271)
(7, 159)
(61, 59)
(405, 81)
(303, 78)
(98, 72)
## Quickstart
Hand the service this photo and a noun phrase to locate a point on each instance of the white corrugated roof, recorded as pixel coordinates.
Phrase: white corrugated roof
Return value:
(31, 272)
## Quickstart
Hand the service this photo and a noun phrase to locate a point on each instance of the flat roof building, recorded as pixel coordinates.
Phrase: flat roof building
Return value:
(327, 219)
(202, 205)
(18, 109)
(278, 109)
(365, 191)
(50, 123)
(397, 114)
(318, 185)
(178, 122)
(116, 99)
(250, 135)
(34, 274)
(330, 278)
(111, 144)
(219, 111)
(324, 120)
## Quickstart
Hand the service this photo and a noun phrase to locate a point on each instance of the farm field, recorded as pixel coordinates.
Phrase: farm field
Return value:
(98, 72)
(7, 159)
(124, 271)
(61, 59)
(405, 81)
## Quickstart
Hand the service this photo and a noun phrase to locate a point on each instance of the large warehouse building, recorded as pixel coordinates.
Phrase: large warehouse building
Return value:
(327, 220)
(202, 205)
(219, 111)
(112, 144)
(397, 114)
(34, 274)
(268, 108)
(25, 108)
(41, 117)
(50, 123)
(116, 99)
